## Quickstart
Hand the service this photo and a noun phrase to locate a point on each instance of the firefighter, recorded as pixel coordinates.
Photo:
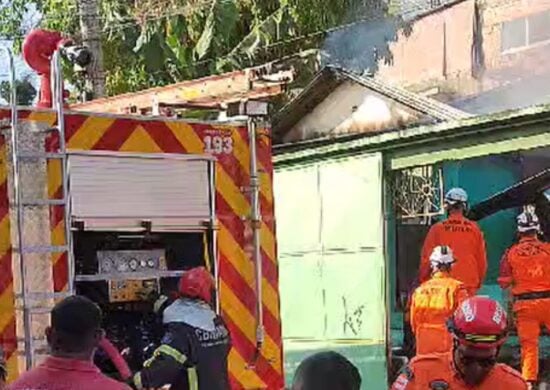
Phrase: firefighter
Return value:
(465, 239)
(193, 352)
(434, 302)
(478, 328)
(525, 267)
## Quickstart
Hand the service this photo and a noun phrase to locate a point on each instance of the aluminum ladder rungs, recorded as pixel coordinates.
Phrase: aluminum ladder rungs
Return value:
(40, 131)
(38, 155)
(44, 202)
(35, 309)
(43, 249)
(43, 295)
(35, 338)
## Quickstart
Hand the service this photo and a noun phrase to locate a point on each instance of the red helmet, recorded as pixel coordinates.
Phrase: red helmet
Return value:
(197, 283)
(479, 322)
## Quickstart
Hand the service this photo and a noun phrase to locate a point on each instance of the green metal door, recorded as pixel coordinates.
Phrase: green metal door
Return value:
(330, 232)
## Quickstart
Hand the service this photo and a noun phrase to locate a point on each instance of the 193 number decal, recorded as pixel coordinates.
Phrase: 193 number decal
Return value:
(218, 144)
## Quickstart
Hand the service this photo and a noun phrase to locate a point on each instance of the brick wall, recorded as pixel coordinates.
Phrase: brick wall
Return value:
(438, 48)
(495, 12)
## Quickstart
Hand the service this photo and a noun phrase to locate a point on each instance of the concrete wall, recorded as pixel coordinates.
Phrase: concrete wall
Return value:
(438, 48)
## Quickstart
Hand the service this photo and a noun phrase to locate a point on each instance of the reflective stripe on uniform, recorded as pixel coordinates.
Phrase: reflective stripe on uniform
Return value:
(193, 378)
(166, 350)
(149, 361)
(172, 352)
(137, 381)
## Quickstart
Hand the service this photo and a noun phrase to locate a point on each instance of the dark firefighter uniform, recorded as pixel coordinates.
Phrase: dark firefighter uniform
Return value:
(193, 352)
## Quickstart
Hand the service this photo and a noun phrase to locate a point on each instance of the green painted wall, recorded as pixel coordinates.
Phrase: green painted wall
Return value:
(332, 273)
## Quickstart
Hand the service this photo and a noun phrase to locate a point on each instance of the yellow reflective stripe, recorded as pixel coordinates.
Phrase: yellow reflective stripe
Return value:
(481, 338)
(137, 381)
(150, 361)
(172, 352)
(193, 378)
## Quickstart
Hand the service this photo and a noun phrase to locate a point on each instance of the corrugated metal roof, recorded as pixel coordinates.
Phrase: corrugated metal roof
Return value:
(412, 9)
(515, 120)
(261, 82)
(330, 77)
(428, 106)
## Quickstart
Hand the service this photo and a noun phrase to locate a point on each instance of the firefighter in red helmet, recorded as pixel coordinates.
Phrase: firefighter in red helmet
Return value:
(478, 328)
(193, 352)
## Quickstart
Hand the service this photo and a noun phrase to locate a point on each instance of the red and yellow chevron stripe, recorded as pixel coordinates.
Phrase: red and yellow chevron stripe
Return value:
(93, 132)
(8, 337)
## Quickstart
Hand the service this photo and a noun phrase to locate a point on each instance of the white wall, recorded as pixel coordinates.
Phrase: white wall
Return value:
(338, 107)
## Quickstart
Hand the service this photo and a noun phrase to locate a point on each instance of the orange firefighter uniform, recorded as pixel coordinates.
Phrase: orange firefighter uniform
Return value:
(466, 240)
(431, 305)
(437, 371)
(526, 268)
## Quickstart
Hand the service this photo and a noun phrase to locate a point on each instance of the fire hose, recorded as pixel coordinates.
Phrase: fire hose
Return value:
(116, 358)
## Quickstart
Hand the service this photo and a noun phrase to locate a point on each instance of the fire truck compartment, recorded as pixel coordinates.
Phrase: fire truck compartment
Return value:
(138, 221)
(124, 273)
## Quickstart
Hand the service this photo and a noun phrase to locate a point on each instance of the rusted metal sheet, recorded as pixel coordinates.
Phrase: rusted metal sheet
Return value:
(253, 83)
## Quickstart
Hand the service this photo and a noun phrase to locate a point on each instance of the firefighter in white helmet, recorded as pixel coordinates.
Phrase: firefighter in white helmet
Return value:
(525, 268)
(464, 238)
(433, 302)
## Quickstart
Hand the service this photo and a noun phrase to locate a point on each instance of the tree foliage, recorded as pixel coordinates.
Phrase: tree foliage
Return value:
(24, 89)
(154, 42)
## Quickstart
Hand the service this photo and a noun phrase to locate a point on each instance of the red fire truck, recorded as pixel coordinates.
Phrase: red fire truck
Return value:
(116, 207)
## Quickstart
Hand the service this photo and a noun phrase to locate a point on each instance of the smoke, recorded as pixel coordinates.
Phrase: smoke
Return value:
(471, 68)
(523, 82)
(361, 46)
(373, 114)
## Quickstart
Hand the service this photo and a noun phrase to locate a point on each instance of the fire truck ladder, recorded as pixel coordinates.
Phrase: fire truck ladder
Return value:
(31, 302)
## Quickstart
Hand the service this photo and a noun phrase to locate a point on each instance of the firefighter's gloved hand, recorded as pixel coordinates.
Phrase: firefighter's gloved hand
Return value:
(160, 304)
(147, 292)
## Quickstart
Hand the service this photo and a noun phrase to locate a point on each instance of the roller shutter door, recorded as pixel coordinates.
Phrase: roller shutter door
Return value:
(119, 191)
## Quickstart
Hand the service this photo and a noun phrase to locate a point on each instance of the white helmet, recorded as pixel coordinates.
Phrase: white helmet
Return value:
(528, 221)
(441, 255)
(456, 195)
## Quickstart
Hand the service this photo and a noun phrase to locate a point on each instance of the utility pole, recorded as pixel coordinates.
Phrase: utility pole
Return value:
(90, 28)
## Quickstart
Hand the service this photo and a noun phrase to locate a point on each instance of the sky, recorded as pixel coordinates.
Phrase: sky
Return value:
(22, 69)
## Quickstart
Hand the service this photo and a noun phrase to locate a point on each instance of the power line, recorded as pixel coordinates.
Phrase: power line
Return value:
(232, 54)
(263, 48)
